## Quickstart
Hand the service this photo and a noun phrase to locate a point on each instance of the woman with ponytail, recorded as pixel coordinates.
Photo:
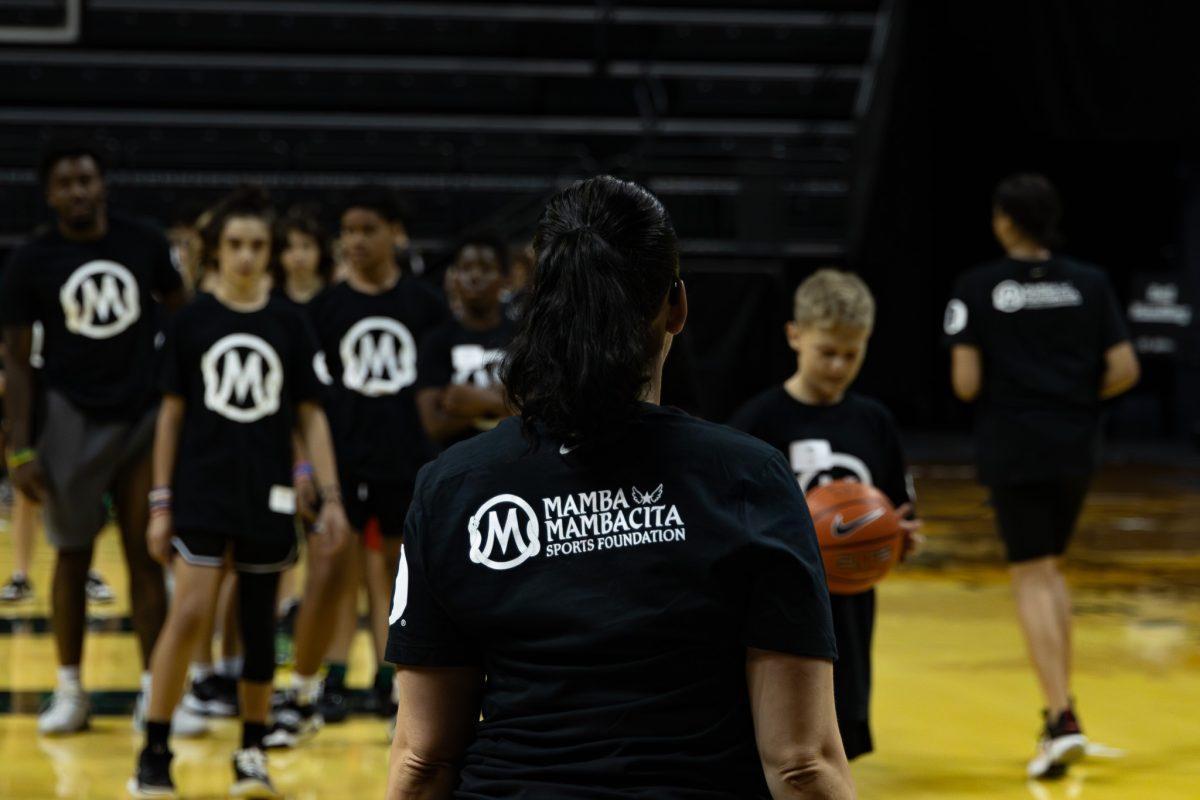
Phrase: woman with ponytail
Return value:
(641, 589)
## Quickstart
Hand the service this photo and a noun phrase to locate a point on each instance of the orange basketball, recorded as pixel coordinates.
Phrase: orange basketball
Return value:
(859, 533)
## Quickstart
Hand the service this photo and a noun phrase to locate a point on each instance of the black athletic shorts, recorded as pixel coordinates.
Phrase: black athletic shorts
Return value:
(386, 500)
(853, 626)
(259, 556)
(1036, 520)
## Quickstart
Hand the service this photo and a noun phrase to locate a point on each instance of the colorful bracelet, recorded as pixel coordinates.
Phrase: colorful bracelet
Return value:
(302, 469)
(19, 458)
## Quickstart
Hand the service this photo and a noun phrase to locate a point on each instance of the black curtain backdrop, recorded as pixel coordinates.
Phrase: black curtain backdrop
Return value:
(1103, 97)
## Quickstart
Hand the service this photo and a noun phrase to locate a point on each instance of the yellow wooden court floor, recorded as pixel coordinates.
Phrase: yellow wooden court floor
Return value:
(955, 706)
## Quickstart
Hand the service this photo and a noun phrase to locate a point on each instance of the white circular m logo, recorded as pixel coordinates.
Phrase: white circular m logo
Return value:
(1008, 296)
(100, 300)
(242, 378)
(473, 364)
(512, 533)
(379, 357)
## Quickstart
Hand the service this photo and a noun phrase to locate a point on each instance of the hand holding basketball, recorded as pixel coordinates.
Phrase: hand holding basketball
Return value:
(860, 533)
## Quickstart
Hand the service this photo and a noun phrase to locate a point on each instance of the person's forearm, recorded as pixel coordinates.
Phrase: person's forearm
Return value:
(166, 441)
(318, 444)
(19, 389)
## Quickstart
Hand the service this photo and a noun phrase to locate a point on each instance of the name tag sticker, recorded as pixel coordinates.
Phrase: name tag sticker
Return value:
(282, 500)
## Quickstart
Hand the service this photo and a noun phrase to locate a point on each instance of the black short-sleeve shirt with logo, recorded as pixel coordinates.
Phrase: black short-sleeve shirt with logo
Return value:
(241, 375)
(455, 354)
(369, 345)
(855, 439)
(609, 593)
(96, 303)
(1043, 328)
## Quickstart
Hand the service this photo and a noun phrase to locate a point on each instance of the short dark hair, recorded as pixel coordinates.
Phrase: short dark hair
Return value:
(380, 199)
(61, 149)
(607, 257)
(1032, 202)
(489, 239)
(305, 220)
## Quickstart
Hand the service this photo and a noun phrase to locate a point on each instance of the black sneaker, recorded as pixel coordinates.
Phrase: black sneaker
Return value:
(385, 707)
(250, 778)
(17, 589)
(215, 696)
(1061, 744)
(334, 703)
(153, 776)
(294, 724)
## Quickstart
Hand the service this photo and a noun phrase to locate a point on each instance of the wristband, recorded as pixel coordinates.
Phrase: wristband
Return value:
(160, 499)
(20, 458)
(303, 469)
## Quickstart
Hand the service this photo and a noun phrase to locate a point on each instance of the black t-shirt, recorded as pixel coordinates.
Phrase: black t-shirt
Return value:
(241, 375)
(454, 354)
(855, 439)
(609, 594)
(369, 344)
(95, 301)
(307, 306)
(1043, 329)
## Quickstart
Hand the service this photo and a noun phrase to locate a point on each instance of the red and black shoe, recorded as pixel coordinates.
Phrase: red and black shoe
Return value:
(1061, 744)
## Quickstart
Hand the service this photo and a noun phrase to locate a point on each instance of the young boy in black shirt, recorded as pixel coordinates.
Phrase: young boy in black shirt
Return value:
(1039, 341)
(369, 328)
(829, 434)
(238, 379)
(459, 392)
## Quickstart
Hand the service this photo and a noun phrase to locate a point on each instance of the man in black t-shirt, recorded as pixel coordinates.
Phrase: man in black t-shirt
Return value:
(830, 434)
(459, 392)
(1038, 340)
(369, 328)
(94, 281)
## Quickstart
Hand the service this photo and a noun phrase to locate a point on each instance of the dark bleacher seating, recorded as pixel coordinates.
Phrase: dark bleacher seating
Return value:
(742, 116)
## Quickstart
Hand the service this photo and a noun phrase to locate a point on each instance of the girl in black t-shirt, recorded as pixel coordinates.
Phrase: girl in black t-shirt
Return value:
(238, 379)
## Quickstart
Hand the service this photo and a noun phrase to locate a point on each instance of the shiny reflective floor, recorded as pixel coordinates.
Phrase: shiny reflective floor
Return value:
(956, 707)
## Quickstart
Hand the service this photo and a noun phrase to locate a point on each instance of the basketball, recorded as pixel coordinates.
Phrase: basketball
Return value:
(859, 533)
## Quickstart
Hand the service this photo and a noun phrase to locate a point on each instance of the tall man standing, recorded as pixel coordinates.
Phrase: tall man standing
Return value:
(93, 280)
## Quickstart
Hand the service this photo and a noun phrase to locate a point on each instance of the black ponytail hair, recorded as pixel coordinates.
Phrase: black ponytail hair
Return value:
(606, 257)
(245, 201)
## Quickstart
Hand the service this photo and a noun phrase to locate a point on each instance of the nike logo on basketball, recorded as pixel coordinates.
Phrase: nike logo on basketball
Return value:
(840, 529)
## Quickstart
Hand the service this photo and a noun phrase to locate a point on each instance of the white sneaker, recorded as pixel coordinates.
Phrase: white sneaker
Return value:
(184, 723)
(69, 711)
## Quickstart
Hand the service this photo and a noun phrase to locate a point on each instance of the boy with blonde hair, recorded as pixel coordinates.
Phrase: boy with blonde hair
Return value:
(830, 434)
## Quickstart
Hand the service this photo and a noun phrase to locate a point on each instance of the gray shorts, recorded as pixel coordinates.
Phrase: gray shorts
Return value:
(81, 459)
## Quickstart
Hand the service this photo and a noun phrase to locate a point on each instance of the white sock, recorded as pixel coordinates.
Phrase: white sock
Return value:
(68, 679)
(230, 667)
(200, 671)
(306, 687)
(146, 684)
